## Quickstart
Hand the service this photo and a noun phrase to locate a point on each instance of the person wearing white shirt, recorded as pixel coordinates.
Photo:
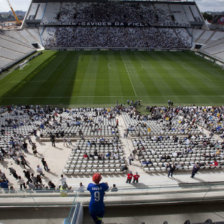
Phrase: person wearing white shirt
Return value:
(39, 170)
(21, 183)
(174, 154)
(81, 188)
(63, 181)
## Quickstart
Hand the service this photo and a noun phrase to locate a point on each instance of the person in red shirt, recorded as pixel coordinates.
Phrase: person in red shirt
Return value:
(85, 156)
(135, 178)
(215, 163)
(129, 177)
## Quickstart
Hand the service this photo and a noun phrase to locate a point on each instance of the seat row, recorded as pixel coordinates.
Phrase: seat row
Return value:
(77, 164)
(90, 171)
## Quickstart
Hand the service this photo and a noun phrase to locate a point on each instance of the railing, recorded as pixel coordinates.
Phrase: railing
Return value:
(134, 194)
(132, 189)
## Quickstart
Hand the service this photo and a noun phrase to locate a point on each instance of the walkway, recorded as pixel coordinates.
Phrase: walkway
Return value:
(128, 147)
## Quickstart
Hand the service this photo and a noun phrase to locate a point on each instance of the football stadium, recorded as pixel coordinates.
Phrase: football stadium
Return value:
(112, 112)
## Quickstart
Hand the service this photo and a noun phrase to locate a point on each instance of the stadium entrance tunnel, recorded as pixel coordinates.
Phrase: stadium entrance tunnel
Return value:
(36, 45)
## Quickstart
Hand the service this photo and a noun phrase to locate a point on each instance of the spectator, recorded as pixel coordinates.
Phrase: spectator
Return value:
(171, 168)
(27, 175)
(34, 149)
(135, 178)
(39, 170)
(45, 165)
(21, 183)
(129, 177)
(81, 188)
(52, 138)
(86, 156)
(63, 182)
(38, 179)
(195, 169)
(97, 191)
(31, 185)
(114, 188)
(130, 159)
(24, 162)
(2, 175)
(215, 163)
(13, 172)
(33, 178)
(51, 185)
(124, 168)
(4, 184)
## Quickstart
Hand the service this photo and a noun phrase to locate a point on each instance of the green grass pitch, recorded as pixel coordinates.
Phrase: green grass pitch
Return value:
(88, 78)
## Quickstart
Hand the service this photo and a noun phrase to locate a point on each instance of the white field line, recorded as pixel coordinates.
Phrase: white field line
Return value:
(127, 70)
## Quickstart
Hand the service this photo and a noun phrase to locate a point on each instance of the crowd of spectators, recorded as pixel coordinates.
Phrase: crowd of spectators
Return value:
(114, 25)
(16, 151)
(21, 124)
(208, 152)
(78, 123)
(116, 37)
(125, 12)
(101, 142)
(210, 118)
(186, 117)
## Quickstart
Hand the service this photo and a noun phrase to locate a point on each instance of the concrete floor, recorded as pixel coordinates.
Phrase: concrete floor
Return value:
(153, 214)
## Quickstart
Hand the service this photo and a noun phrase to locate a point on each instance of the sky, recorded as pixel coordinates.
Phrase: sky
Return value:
(204, 5)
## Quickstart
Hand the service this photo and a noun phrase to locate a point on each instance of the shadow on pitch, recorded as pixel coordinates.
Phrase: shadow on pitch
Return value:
(51, 83)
